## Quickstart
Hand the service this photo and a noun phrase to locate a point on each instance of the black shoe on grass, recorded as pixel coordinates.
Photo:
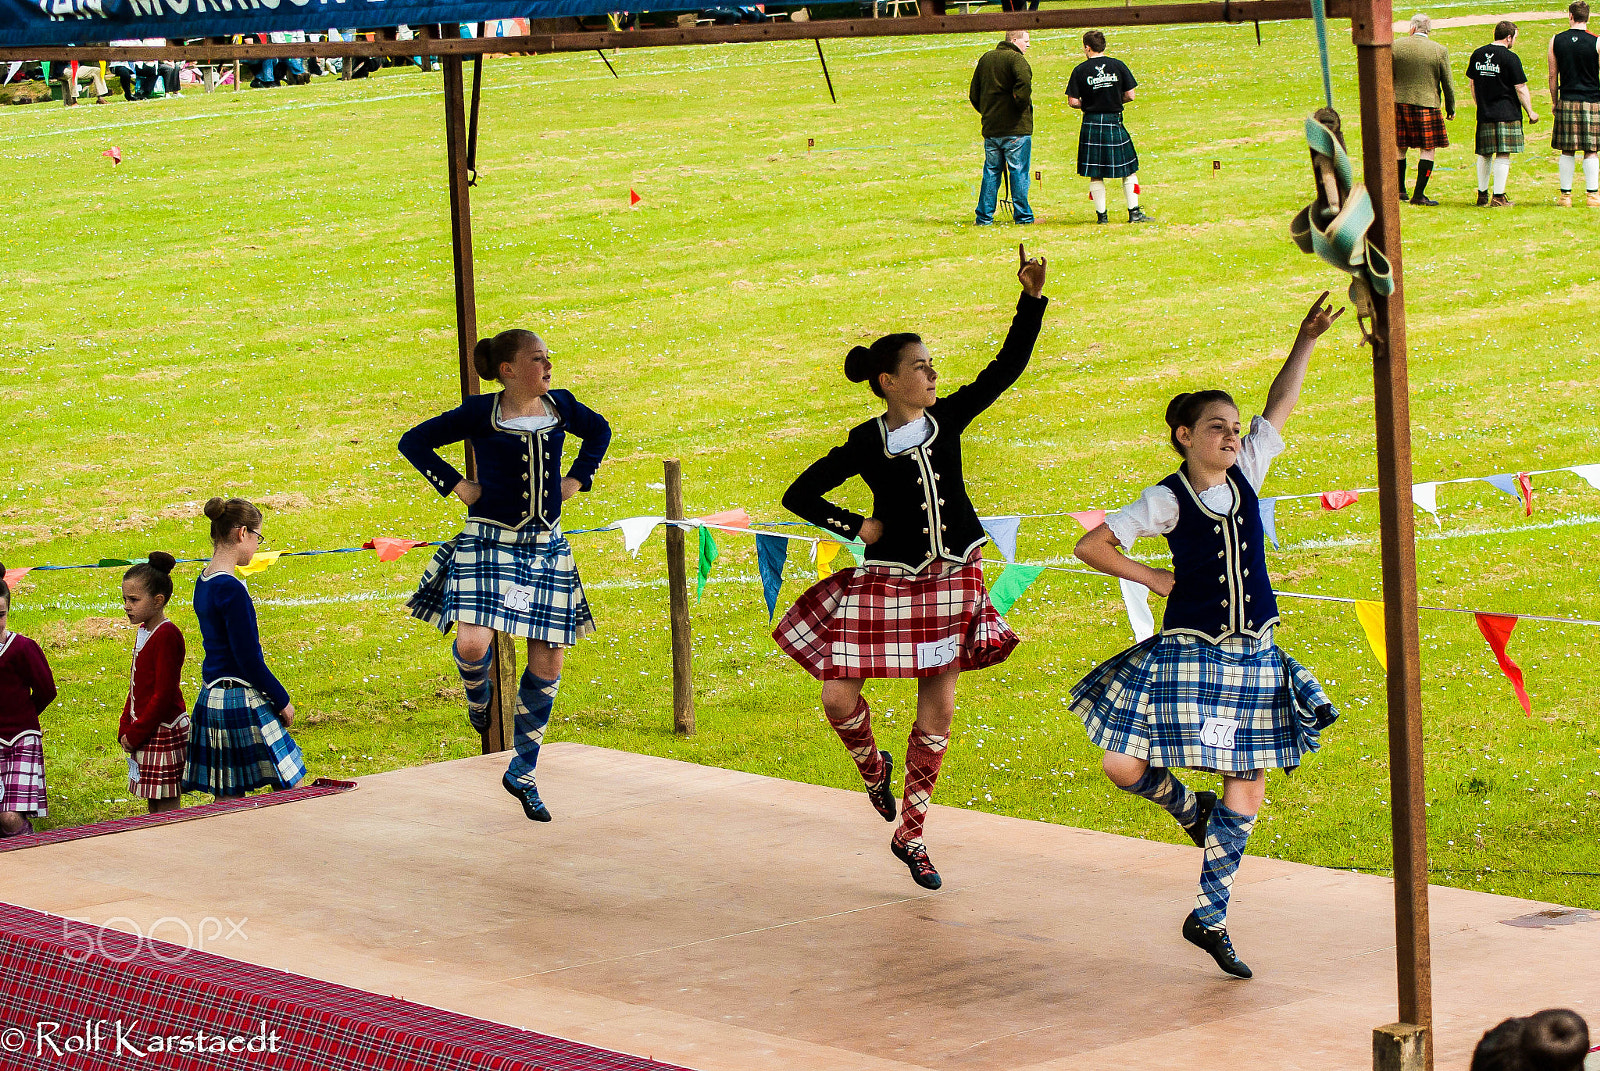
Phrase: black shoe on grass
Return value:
(915, 856)
(1136, 215)
(1215, 942)
(532, 805)
(1101, 217)
(882, 794)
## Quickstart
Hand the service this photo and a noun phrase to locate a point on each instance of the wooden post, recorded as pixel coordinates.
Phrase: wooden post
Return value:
(1372, 27)
(678, 607)
(503, 671)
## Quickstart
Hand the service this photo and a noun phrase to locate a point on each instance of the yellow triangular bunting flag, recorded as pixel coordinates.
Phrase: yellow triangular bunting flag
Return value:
(827, 550)
(1370, 614)
(259, 562)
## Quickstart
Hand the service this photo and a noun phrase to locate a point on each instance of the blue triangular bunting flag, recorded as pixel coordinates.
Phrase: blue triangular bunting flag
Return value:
(1269, 520)
(1003, 530)
(771, 552)
(1505, 481)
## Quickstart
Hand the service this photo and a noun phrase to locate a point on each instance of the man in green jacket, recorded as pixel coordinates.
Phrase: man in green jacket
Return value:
(1002, 92)
(1421, 73)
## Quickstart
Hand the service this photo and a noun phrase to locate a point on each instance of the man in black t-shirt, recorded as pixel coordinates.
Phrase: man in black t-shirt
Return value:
(1500, 92)
(1100, 86)
(1573, 59)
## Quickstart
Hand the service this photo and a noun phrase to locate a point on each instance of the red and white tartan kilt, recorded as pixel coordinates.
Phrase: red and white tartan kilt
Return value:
(161, 762)
(874, 621)
(1416, 127)
(22, 787)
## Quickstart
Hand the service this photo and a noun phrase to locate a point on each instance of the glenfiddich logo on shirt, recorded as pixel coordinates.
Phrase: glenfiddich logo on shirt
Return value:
(1102, 78)
(1488, 66)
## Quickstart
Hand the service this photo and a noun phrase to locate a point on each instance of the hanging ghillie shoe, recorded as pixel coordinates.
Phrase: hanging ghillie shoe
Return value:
(1335, 226)
(915, 856)
(1136, 215)
(1101, 217)
(1215, 942)
(1205, 803)
(882, 794)
(532, 805)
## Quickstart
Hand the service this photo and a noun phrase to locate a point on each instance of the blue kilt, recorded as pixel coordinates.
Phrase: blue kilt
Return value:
(524, 583)
(237, 744)
(1184, 702)
(1104, 148)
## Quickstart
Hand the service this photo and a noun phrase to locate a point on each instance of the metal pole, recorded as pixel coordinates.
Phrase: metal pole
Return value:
(602, 55)
(825, 73)
(1372, 23)
(678, 605)
(503, 670)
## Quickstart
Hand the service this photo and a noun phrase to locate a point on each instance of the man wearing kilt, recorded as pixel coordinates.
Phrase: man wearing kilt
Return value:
(1099, 87)
(1574, 63)
(1421, 73)
(916, 607)
(1500, 93)
(510, 570)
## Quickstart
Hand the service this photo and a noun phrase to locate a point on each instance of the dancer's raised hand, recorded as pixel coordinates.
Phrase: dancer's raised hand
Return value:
(1031, 272)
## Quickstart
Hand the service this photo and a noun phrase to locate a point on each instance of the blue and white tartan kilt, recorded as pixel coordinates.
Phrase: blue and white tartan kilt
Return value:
(1104, 148)
(237, 744)
(523, 583)
(1180, 702)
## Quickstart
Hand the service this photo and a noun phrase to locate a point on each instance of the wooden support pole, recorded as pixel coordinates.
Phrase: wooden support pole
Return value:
(678, 607)
(1372, 26)
(497, 737)
(831, 94)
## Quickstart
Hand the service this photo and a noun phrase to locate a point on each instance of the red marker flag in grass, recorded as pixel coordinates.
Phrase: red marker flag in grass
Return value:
(1089, 518)
(1496, 628)
(389, 549)
(115, 154)
(1332, 500)
(633, 198)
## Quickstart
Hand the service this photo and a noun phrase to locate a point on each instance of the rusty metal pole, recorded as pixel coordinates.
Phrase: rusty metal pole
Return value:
(503, 670)
(1372, 27)
(678, 607)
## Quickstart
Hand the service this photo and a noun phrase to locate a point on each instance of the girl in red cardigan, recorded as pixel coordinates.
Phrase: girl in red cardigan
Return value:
(26, 688)
(155, 724)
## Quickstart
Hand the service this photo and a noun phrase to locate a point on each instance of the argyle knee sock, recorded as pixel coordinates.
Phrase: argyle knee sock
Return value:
(1591, 173)
(1226, 835)
(855, 730)
(1501, 169)
(924, 756)
(475, 679)
(1483, 173)
(1424, 173)
(1167, 792)
(1565, 165)
(1097, 194)
(1402, 177)
(536, 697)
(1130, 190)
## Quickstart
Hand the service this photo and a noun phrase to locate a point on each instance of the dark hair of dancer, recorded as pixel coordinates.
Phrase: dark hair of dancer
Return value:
(490, 353)
(1551, 1040)
(228, 514)
(1184, 410)
(5, 589)
(867, 363)
(1095, 41)
(155, 575)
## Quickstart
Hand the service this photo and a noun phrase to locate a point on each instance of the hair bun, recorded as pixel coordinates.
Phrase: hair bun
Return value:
(857, 364)
(214, 507)
(1175, 410)
(161, 561)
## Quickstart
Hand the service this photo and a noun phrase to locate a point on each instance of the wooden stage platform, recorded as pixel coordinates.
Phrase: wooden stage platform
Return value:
(729, 922)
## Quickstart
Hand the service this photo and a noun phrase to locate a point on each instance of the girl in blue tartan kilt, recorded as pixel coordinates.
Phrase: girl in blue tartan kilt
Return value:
(510, 570)
(239, 731)
(1212, 691)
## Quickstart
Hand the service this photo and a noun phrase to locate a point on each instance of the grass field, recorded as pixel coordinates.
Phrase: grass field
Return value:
(258, 302)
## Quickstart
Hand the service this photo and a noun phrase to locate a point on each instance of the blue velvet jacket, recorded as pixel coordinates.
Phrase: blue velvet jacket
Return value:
(520, 471)
(1219, 562)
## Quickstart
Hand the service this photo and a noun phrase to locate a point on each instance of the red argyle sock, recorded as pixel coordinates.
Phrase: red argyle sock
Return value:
(856, 732)
(924, 756)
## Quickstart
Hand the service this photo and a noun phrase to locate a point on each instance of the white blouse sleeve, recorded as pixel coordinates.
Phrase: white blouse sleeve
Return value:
(1260, 445)
(1154, 514)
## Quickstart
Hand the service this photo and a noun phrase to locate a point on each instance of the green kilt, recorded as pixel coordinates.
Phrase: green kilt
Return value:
(1497, 138)
(1577, 126)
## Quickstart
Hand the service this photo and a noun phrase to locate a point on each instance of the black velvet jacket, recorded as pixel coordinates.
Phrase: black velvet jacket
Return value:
(919, 494)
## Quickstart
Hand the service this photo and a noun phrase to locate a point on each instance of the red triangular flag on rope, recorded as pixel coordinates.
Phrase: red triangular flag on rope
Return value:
(1496, 628)
(115, 154)
(389, 549)
(1525, 485)
(1089, 518)
(1339, 499)
(633, 198)
(14, 575)
(737, 517)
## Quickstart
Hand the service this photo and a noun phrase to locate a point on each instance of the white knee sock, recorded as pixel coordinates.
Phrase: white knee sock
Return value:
(1097, 194)
(1564, 165)
(1591, 173)
(1130, 190)
(1501, 169)
(1483, 173)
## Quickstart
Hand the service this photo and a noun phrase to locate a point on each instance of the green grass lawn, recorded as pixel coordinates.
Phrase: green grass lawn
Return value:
(258, 302)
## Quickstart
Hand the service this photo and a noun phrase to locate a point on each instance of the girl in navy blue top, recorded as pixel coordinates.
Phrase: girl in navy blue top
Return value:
(1211, 691)
(239, 737)
(510, 570)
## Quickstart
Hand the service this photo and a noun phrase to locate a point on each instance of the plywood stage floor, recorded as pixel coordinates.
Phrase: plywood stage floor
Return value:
(730, 922)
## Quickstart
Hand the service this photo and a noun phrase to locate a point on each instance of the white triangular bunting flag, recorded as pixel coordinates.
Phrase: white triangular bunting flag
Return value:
(635, 530)
(1136, 597)
(1426, 496)
(1591, 473)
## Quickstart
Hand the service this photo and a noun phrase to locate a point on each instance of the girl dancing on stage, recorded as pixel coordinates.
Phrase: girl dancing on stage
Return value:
(916, 607)
(510, 570)
(1212, 691)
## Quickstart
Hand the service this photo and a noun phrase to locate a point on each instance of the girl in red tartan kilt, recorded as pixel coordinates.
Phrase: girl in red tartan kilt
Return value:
(26, 688)
(154, 730)
(916, 606)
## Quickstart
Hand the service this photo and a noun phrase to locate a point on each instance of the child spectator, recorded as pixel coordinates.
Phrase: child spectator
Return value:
(26, 688)
(155, 725)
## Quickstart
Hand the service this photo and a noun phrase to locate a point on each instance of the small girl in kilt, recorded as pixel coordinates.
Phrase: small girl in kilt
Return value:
(1099, 87)
(916, 607)
(154, 730)
(1212, 691)
(26, 688)
(239, 738)
(510, 570)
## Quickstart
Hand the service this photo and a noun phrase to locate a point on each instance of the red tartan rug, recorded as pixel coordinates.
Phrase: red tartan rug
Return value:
(322, 786)
(83, 998)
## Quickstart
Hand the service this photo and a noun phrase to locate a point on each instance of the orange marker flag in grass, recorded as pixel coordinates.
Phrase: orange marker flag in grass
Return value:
(115, 154)
(1332, 500)
(1496, 628)
(1370, 614)
(633, 198)
(390, 549)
